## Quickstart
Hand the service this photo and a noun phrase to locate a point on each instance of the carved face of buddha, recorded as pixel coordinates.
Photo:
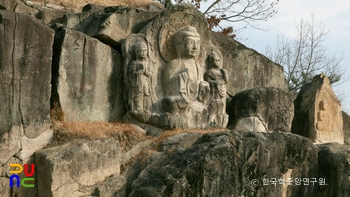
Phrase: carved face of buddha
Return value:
(216, 61)
(141, 51)
(323, 105)
(191, 46)
(187, 42)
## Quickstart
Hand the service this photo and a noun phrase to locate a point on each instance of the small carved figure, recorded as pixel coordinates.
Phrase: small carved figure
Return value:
(322, 117)
(217, 78)
(139, 77)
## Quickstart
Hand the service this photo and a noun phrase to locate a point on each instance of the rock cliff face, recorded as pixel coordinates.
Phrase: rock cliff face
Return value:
(248, 69)
(76, 173)
(86, 77)
(318, 113)
(261, 109)
(80, 63)
(334, 166)
(346, 128)
(230, 163)
(25, 69)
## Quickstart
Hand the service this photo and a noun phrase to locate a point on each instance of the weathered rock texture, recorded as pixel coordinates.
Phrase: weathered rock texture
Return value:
(334, 166)
(83, 168)
(77, 6)
(261, 109)
(110, 25)
(5, 189)
(228, 164)
(318, 113)
(87, 83)
(87, 78)
(246, 67)
(346, 128)
(25, 69)
(17, 6)
(73, 168)
(29, 146)
(51, 16)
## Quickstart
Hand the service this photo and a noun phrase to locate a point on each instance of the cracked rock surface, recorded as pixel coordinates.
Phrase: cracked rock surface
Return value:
(25, 76)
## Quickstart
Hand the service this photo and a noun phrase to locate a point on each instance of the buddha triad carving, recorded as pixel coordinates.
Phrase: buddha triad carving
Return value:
(191, 92)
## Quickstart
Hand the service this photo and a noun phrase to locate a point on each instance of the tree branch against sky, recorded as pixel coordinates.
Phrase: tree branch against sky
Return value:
(233, 11)
(305, 56)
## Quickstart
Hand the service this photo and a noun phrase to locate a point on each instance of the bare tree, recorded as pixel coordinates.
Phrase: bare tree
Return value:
(233, 11)
(305, 56)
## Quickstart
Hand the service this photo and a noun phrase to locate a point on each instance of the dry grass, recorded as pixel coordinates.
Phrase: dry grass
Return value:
(126, 134)
(77, 5)
(56, 112)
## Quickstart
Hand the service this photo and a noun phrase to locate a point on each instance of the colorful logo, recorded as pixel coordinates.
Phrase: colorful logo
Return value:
(25, 182)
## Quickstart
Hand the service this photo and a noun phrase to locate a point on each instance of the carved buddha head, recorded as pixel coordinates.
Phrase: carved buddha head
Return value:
(214, 59)
(141, 50)
(187, 42)
(323, 105)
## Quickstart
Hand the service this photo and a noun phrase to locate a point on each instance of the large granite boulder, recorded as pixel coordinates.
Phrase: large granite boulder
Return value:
(261, 109)
(17, 6)
(51, 16)
(111, 24)
(87, 78)
(84, 168)
(334, 167)
(318, 113)
(247, 68)
(75, 167)
(228, 164)
(25, 69)
(346, 128)
(77, 6)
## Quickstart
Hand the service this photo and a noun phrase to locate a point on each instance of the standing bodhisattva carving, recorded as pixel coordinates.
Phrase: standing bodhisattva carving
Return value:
(217, 78)
(139, 78)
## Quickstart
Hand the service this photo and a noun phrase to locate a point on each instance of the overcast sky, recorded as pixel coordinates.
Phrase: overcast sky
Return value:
(335, 15)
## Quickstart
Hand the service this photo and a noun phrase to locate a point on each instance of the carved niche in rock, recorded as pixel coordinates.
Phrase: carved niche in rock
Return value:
(174, 76)
(318, 112)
